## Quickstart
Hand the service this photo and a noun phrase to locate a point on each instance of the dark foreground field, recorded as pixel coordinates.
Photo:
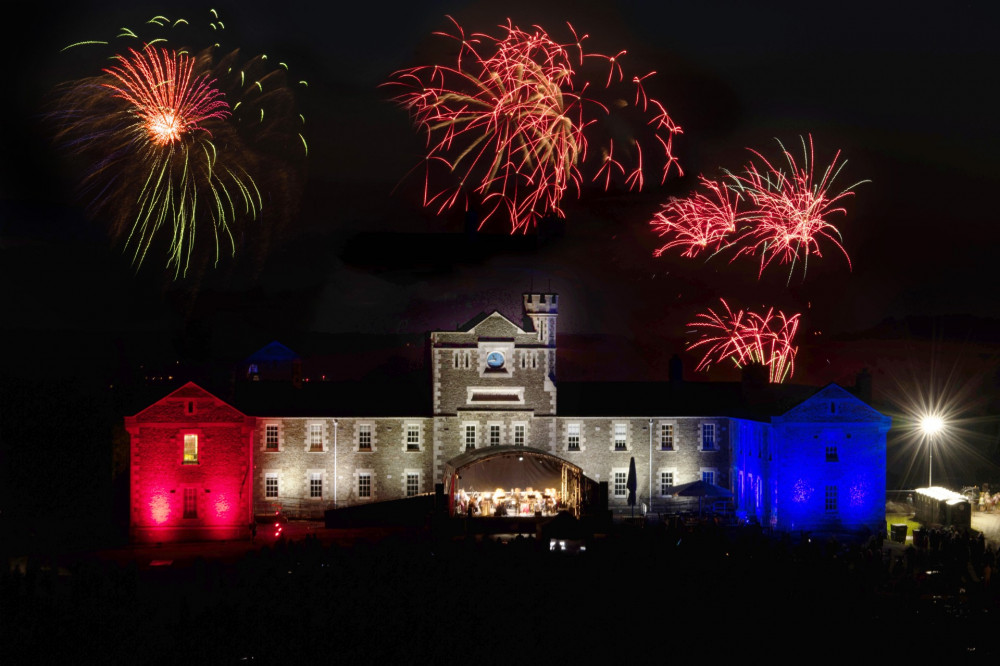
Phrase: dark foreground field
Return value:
(409, 598)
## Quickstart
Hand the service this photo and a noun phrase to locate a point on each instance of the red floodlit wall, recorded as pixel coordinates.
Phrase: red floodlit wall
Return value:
(191, 469)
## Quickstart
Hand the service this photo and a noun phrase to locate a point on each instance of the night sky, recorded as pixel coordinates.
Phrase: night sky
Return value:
(907, 92)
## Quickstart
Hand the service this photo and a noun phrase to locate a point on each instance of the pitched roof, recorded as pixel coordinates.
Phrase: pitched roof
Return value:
(736, 399)
(274, 351)
(399, 395)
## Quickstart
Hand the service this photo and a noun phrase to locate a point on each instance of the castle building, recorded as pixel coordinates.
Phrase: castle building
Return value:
(500, 434)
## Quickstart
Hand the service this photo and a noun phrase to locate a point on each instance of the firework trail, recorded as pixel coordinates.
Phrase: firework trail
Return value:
(510, 121)
(698, 222)
(780, 216)
(182, 150)
(745, 337)
(792, 210)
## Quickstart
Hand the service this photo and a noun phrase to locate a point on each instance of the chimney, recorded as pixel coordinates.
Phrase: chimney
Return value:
(755, 382)
(863, 386)
(675, 371)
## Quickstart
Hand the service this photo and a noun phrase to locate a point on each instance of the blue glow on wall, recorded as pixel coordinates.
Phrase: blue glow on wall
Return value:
(827, 471)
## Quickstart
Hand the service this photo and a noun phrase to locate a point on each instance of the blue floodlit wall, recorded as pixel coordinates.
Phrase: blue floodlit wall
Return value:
(828, 467)
(751, 476)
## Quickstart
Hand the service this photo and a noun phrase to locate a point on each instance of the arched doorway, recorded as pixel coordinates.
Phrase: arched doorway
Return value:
(515, 481)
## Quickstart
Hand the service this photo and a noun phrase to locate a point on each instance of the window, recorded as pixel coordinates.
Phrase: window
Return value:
(412, 484)
(271, 485)
(316, 485)
(518, 434)
(470, 437)
(708, 476)
(666, 437)
(621, 479)
(190, 502)
(364, 437)
(190, 449)
(831, 498)
(708, 436)
(315, 436)
(573, 436)
(620, 436)
(412, 438)
(666, 480)
(364, 484)
(271, 437)
(494, 435)
(189, 407)
(831, 453)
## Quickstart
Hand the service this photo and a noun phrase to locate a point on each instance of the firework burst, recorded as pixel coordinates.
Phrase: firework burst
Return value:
(698, 222)
(510, 122)
(780, 216)
(745, 337)
(183, 149)
(792, 210)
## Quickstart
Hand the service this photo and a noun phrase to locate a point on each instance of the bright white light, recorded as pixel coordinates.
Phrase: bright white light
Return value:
(931, 424)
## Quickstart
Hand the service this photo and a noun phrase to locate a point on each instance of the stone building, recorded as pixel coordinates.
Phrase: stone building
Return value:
(496, 417)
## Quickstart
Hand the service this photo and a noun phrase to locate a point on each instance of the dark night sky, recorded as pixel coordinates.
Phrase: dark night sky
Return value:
(907, 92)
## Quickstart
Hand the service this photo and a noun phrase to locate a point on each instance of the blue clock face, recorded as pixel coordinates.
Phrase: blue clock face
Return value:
(494, 359)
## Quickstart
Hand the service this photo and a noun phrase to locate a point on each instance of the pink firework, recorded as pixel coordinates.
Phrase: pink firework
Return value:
(792, 210)
(745, 337)
(698, 222)
(168, 101)
(510, 122)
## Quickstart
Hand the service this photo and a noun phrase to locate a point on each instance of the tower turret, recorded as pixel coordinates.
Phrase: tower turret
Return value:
(543, 310)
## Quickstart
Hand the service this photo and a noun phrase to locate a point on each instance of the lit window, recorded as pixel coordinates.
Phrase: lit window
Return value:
(271, 437)
(190, 449)
(316, 485)
(573, 436)
(708, 476)
(190, 502)
(315, 436)
(364, 484)
(666, 437)
(708, 436)
(412, 484)
(412, 438)
(621, 479)
(470, 437)
(271, 485)
(494, 435)
(831, 498)
(620, 436)
(518, 434)
(365, 437)
(666, 481)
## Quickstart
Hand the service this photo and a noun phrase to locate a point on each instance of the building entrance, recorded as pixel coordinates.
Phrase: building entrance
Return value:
(515, 482)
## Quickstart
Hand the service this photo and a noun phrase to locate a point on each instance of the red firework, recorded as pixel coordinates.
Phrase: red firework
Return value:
(698, 222)
(781, 216)
(792, 210)
(168, 101)
(746, 337)
(509, 120)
